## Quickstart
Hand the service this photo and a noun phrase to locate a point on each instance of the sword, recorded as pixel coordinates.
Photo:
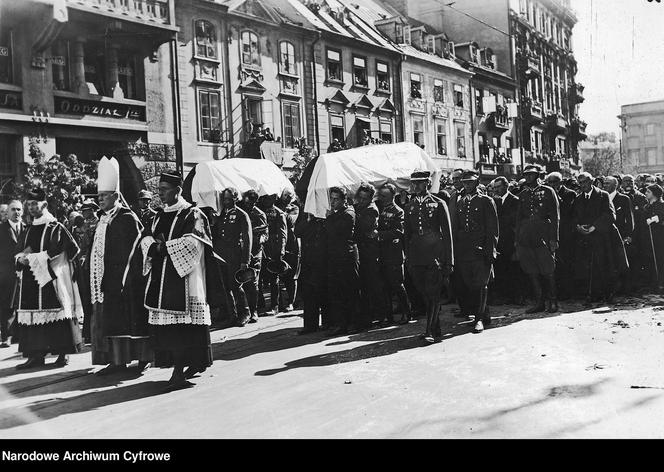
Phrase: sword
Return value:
(654, 255)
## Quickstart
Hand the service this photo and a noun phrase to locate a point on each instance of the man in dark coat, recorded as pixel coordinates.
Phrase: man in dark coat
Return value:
(258, 239)
(372, 307)
(311, 231)
(429, 248)
(508, 273)
(599, 255)
(391, 253)
(565, 252)
(637, 246)
(342, 262)
(537, 225)
(10, 233)
(475, 240)
(655, 220)
(624, 223)
(119, 325)
(232, 239)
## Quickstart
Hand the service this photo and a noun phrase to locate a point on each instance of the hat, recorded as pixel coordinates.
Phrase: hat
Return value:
(470, 175)
(108, 175)
(277, 267)
(656, 190)
(145, 195)
(89, 205)
(37, 194)
(532, 169)
(245, 275)
(173, 177)
(419, 175)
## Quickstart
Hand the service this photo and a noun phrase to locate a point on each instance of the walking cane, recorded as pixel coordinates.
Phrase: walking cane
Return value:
(654, 255)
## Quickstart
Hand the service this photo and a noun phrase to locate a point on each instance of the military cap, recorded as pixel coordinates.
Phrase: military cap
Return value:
(470, 175)
(145, 195)
(533, 169)
(173, 177)
(420, 175)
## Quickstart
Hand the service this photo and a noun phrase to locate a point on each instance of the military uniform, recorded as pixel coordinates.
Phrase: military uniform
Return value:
(275, 248)
(475, 240)
(429, 245)
(391, 257)
(366, 222)
(259, 237)
(292, 255)
(314, 271)
(146, 216)
(231, 237)
(639, 248)
(656, 209)
(537, 226)
(565, 252)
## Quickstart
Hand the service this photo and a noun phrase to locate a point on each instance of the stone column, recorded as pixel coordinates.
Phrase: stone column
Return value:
(112, 72)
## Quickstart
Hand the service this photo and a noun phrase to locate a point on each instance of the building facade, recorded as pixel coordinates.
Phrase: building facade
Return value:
(643, 137)
(88, 78)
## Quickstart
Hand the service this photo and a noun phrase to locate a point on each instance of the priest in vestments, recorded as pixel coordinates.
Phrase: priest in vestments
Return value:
(119, 328)
(185, 279)
(49, 306)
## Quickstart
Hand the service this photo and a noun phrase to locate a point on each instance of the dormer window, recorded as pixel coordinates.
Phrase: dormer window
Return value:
(430, 44)
(403, 34)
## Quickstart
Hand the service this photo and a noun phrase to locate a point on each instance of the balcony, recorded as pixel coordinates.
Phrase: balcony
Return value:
(557, 122)
(498, 120)
(533, 111)
(532, 66)
(576, 93)
(579, 129)
(153, 12)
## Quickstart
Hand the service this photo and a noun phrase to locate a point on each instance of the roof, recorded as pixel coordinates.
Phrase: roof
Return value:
(410, 51)
(275, 11)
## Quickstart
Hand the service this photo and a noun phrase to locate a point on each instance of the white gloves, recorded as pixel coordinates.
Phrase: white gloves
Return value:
(654, 219)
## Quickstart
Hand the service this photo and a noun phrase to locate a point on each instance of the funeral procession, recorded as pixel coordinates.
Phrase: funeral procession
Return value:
(331, 219)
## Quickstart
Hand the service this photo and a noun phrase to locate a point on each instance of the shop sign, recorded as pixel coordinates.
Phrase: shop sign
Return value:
(74, 106)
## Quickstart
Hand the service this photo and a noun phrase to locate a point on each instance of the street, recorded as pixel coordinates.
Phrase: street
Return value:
(569, 375)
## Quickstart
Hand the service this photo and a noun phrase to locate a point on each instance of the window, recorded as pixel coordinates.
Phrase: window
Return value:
(206, 40)
(209, 111)
(650, 129)
(458, 95)
(438, 91)
(479, 105)
(386, 131)
(337, 128)
(461, 139)
(94, 65)
(418, 130)
(651, 156)
(634, 129)
(60, 65)
(253, 113)
(441, 137)
(382, 76)
(250, 49)
(415, 85)
(6, 56)
(360, 71)
(127, 74)
(634, 157)
(334, 68)
(287, 58)
(291, 119)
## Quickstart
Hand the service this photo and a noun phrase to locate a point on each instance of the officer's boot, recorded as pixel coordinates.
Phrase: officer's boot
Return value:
(538, 294)
(404, 305)
(484, 309)
(552, 298)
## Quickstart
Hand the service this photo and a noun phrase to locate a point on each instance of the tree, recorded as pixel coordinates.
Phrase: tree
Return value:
(63, 179)
(605, 161)
(302, 158)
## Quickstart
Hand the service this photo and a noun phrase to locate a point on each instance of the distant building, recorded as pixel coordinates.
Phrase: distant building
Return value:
(643, 136)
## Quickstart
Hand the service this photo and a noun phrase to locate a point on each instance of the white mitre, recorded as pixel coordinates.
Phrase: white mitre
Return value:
(108, 175)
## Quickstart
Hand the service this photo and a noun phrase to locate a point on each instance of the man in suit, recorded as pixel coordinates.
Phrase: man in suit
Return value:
(638, 245)
(429, 248)
(624, 222)
(10, 232)
(564, 253)
(475, 240)
(537, 222)
(342, 262)
(508, 273)
(599, 254)
(231, 239)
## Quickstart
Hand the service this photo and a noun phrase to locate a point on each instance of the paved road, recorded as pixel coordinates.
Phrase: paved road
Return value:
(568, 375)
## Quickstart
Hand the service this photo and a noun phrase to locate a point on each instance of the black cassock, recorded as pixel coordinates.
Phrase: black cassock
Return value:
(48, 316)
(183, 284)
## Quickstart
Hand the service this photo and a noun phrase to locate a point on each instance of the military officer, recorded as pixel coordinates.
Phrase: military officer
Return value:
(391, 254)
(366, 234)
(537, 222)
(231, 238)
(275, 248)
(638, 246)
(142, 209)
(430, 255)
(259, 238)
(475, 240)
